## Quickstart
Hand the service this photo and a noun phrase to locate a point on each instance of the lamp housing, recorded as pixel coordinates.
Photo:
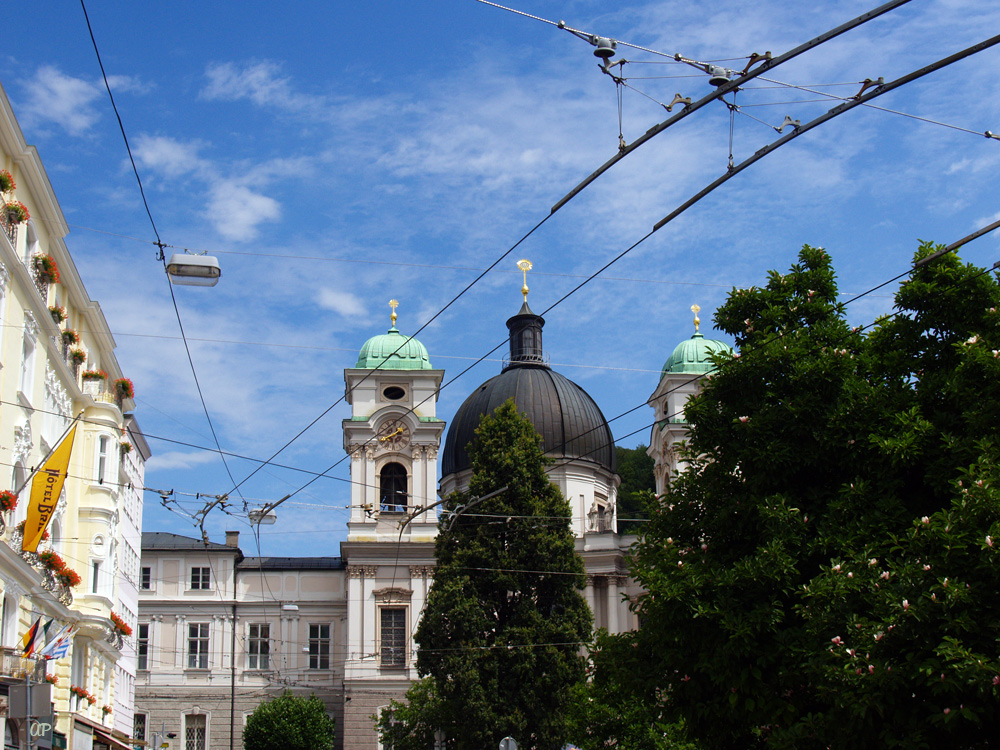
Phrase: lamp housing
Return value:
(186, 269)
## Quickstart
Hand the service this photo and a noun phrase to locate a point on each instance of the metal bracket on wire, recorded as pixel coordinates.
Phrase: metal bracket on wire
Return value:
(455, 514)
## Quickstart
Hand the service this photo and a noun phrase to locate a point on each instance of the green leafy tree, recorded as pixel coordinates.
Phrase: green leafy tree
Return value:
(289, 722)
(635, 467)
(825, 572)
(610, 712)
(501, 634)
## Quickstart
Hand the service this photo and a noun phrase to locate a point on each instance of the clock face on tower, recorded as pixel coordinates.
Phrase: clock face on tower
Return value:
(393, 435)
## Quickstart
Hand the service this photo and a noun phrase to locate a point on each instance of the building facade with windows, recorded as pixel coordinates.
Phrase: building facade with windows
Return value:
(219, 633)
(58, 369)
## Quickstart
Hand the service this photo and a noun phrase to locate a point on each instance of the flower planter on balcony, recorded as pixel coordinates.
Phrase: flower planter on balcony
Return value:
(94, 382)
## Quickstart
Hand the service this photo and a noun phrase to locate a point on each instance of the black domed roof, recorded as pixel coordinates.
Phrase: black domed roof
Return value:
(570, 423)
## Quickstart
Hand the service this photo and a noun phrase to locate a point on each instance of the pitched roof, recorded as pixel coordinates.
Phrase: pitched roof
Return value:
(164, 540)
(292, 563)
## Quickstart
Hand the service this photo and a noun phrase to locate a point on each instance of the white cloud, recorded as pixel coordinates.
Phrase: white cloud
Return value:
(172, 460)
(62, 99)
(167, 155)
(343, 303)
(129, 84)
(258, 82)
(236, 211)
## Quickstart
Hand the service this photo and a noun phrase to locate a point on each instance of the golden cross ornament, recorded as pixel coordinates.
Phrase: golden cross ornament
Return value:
(525, 265)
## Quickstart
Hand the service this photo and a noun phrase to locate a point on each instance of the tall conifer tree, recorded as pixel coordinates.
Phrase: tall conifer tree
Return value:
(500, 638)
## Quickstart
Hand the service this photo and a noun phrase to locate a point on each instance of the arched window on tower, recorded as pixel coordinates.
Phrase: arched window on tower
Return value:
(392, 488)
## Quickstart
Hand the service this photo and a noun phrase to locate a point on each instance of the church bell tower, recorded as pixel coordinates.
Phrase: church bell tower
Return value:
(393, 437)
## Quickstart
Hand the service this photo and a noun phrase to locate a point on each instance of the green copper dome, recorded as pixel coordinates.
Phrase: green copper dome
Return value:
(694, 355)
(393, 351)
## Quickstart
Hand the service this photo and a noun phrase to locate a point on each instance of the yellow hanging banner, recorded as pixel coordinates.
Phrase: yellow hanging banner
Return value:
(45, 489)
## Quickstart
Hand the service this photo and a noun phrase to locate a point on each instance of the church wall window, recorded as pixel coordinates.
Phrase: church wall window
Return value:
(319, 646)
(393, 493)
(392, 636)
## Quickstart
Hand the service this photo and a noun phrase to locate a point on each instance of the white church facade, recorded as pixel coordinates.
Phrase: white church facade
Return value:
(341, 627)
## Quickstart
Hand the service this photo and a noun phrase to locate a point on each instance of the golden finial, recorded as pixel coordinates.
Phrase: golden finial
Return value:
(697, 320)
(525, 266)
(393, 304)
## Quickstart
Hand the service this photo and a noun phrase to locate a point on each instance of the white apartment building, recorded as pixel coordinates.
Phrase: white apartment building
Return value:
(220, 633)
(57, 368)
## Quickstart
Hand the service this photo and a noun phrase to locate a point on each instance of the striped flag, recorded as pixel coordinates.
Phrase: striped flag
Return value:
(58, 646)
(28, 641)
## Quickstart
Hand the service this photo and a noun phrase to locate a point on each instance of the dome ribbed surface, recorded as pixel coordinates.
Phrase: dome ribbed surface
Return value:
(570, 423)
(381, 351)
(694, 355)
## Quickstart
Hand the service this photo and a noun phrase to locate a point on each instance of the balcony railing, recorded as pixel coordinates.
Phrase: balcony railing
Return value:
(9, 229)
(50, 582)
(535, 358)
(17, 667)
(105, 398)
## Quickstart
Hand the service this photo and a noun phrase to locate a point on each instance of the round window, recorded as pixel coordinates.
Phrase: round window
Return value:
(394, 393)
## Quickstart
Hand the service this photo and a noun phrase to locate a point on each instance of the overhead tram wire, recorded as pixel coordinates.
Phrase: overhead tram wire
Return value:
(840, 109)
(762, 66)
(742, 361)
(562, 25)
(159, 241)
(828, 97)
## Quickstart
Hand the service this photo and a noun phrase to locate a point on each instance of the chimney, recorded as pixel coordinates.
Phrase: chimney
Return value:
(232, 539)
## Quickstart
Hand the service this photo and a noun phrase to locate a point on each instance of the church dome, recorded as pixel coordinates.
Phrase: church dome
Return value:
(570, 423)
(393, 351)
(694, 355)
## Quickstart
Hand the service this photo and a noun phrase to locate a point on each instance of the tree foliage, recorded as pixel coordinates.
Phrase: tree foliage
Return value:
(825, 574)
(500, 637)
(635, 467)
(289, 722)
(617, 708)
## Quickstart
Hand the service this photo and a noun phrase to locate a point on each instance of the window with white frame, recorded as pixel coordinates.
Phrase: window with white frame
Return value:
(8, 621)
(78, 669)
(104, 460)
(201, 578)
(28, 341)
(4, 278)
(146, 578)
(259, 646)
(195, 731)
(392, 636)
(32, 246)
(393, 632)
(55, 534)
(142, 646)
(319, 646)
(198, 640)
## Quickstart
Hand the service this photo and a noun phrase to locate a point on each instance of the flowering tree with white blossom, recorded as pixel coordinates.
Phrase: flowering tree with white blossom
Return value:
(824, 573)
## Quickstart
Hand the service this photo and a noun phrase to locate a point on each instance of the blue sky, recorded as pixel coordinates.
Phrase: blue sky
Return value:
(336, 155)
